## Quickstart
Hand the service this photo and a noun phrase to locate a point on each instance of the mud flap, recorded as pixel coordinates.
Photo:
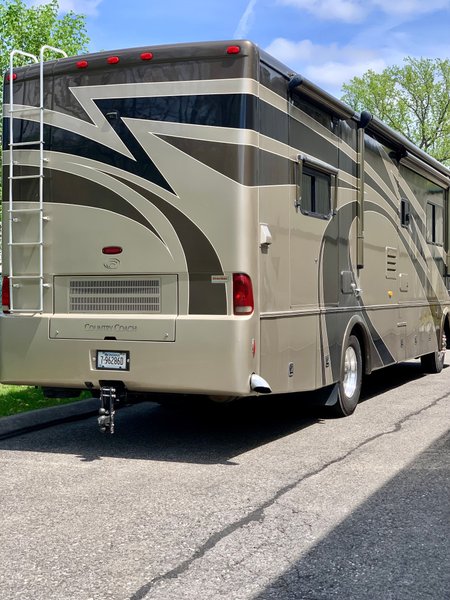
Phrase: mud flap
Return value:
(330, 394)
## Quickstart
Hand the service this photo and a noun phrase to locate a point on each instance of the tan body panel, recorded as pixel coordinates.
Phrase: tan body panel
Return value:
(212, 364)
(191, 167)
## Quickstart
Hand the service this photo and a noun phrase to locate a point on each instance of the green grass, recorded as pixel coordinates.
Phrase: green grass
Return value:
(16, 399)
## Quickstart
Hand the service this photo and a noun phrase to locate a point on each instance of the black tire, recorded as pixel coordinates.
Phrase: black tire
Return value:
(434, 362)
(349, 386)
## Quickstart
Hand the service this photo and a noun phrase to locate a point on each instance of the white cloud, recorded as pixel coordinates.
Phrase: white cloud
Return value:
(348, 11)
(383, 39)
(80, 7)
(355, 11)
(245, 21)
(291, 52)
(332, 75)
(329, 66)
(410, 8)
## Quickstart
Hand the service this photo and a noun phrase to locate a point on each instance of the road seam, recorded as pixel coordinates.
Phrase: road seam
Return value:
(258, 516)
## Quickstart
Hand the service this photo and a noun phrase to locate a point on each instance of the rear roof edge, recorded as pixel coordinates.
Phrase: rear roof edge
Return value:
(161, 53)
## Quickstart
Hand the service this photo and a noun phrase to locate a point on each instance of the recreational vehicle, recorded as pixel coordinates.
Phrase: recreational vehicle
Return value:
(199, 219)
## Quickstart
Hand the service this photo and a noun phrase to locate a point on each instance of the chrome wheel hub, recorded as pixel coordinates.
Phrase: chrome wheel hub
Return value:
(350, 372)
(443, 343)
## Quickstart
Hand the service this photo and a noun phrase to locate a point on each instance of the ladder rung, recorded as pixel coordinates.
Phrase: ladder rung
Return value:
(25, 243)
(17, 113)
(26, 109)
(20, 144)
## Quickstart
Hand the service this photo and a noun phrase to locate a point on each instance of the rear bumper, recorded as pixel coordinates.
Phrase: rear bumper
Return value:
(211, 355)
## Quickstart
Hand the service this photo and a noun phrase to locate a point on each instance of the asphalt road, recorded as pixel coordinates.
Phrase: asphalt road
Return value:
(266, 499)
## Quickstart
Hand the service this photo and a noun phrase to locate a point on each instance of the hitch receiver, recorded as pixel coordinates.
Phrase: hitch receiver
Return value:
(110, 394)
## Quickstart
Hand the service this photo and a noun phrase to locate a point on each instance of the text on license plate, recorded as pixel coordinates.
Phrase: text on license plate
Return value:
(115, 361)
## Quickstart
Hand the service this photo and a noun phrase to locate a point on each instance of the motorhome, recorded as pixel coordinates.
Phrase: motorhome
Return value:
(199, 219)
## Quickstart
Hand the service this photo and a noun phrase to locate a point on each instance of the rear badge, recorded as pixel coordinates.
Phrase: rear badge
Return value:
(113, 263)
(220, 278)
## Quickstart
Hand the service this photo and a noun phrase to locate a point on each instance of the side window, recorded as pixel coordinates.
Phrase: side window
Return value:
(435, 224)
(316, 188)
(439, 225)
(404, 212)
(433, 199)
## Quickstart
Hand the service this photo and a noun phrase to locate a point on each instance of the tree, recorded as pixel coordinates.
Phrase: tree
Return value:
(28, 28)
(413, 99)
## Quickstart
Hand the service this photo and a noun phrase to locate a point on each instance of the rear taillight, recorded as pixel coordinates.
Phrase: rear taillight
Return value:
(243, 303)
(6, 299)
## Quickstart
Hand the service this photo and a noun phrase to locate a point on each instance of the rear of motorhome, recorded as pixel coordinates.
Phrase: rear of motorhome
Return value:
(197, 219)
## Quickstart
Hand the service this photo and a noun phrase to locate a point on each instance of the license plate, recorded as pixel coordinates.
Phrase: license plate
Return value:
(113, 361)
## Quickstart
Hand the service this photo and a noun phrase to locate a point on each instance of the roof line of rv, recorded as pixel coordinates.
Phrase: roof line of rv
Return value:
(404, 148)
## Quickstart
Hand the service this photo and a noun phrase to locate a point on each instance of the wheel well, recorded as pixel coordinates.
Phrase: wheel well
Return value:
(359, 332)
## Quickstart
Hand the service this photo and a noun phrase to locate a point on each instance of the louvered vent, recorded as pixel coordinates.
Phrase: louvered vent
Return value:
(115, 296)
(391, 262)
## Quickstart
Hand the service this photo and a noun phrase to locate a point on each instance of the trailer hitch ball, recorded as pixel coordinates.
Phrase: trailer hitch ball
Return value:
(109, 395)
(104, 420)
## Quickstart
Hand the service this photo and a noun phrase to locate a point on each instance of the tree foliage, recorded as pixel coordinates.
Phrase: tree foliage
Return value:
(413, 99)
(28, 28)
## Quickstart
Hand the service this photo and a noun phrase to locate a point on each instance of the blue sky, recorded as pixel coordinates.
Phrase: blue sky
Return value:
(328, 41)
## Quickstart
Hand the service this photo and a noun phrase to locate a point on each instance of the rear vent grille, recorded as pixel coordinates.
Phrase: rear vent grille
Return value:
(115, 296)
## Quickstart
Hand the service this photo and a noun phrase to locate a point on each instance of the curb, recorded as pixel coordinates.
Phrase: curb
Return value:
(47, 417)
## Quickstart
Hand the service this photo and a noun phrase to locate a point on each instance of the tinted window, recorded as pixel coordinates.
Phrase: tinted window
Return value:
(315, 192)
(435, 224)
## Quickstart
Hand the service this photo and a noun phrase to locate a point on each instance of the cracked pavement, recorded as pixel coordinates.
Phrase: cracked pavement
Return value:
(265, 499)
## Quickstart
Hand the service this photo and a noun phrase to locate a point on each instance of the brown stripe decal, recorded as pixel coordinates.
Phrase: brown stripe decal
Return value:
(202, 260)
(239, 163)
(67, 188)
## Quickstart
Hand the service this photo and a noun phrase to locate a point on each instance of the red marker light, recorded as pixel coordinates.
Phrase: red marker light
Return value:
(113, 60)
(112, 250)
(146, 56)
(233, 49)
(14, 77)
(82, 64)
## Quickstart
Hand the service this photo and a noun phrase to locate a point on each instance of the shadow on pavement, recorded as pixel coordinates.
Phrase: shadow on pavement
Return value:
(184, 431)
(195, 431)
(391, 377)
(394, 547)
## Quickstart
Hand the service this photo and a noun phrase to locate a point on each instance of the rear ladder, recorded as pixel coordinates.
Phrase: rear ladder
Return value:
(19, 278)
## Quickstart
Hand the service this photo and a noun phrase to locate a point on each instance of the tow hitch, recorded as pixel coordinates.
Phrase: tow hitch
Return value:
(110, 395)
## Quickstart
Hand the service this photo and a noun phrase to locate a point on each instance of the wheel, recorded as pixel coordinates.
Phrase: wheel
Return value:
(349, 387)
(434, 362)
